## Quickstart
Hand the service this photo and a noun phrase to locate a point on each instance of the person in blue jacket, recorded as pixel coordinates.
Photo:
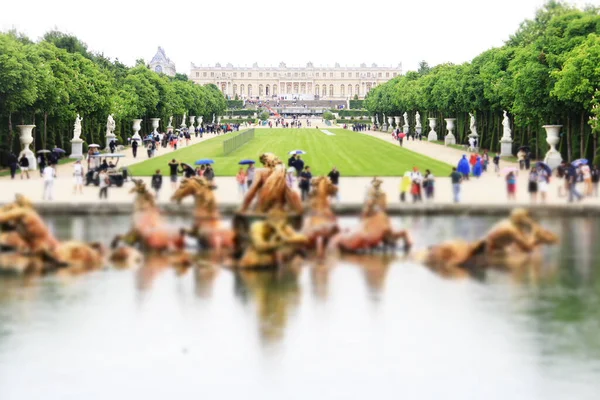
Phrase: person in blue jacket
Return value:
(463, 167)
(477, 168)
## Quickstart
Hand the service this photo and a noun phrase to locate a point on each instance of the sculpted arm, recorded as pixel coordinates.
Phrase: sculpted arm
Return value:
(258, 181)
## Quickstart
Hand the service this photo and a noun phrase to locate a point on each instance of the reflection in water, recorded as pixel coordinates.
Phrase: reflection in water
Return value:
(523, 334)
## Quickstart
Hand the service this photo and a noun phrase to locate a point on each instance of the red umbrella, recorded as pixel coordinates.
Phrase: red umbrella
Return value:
(402, 135)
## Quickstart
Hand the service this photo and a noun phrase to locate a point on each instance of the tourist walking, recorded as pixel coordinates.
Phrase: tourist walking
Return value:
(429, 184)
(12, 164)
(104, 182)
(305, 177)
(543, 181)
(250, 175)
(24, 166)
(299, 165)
(77, 177)
(292, 161)
(456, 178)
(464, 168)
(511, 186)
(416, 179)
(241, 181)
(405, 184)
(571, 179)
(41, 164)
(156, 182)
(209, 173)
(586, 172)
(134, 147)
(533, 185)
(112, 146)
(595, 179)
(334, 177)
(48, 174)
(477, 168)
(496, 161)
(173, 166)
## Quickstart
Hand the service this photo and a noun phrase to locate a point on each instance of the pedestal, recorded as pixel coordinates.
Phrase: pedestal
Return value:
(405, 128)
(26, 139)
(419, 130)
(432, 137)
(553, 157)
(109, 138)
(449, 139)
(76, 149)
(506, 147)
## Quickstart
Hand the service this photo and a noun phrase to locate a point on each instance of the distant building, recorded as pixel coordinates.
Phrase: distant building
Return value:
(162, 64)
(306, 82)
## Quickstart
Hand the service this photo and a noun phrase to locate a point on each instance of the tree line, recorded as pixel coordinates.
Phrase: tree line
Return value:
(547, 73)
(47, 83)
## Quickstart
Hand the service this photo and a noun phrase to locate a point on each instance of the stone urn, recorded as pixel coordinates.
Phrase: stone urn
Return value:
(553, 157)
(199, 122)
(390, 121)
(372, 120)
(450, 138)
(154, 125)
(26, 139)
(192, 120)
(137, 125)
(432, 137)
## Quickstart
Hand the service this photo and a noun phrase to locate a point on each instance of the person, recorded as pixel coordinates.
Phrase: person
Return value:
(104, 182)
(571, 181)
(299, 165)
(405, 184)
(291, 160)
(209, 173)
(134, 147)
(173, 166)
(416, 179)
(477, 168)
(334, 177)
(24, 165)
(511, 185)
(527, 159)
(532, 188)
(104, 165)
(48, 175)
(241, 180)
(250, 174)
(496, 162)
(187, 171)
(305, 177)
(289, 177)
(12, 163)
(473, 161)
(463, 167)
(586, 172)
(156, 182)
(543, 180)
(428, 184)
(595, 179)
(78, 177)
(112, 146)
(456, 178)
(42, 164)
(521, 157)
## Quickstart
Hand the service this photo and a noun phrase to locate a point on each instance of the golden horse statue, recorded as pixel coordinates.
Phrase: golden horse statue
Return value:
(510, 244)
(320, 223)
(36, 249)
(270, 189)
(150, 230)
(375, 229)
(207, 226)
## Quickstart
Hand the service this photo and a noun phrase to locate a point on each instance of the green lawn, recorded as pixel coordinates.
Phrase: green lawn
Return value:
(353, 153)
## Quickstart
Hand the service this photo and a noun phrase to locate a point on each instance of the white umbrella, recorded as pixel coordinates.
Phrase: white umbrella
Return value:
(297, 152)
(94, 145)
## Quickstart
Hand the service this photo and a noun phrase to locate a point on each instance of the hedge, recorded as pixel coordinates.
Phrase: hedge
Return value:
(237, 121)
(353, 113)
(235, 103)
(243, 112)
(353, 121)
(356, 104)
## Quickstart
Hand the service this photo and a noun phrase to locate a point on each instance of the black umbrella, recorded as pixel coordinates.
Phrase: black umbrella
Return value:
(524, 148)
(58, 150)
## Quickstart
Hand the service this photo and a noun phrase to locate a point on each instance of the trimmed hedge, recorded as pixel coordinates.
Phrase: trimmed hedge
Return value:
(356, 104)
(237, 120)
(353, 121)
(242, 112)
(353, 113)
(235, 103)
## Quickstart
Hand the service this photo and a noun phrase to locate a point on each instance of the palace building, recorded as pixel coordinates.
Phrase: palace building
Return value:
(303, 83)
(162, 64)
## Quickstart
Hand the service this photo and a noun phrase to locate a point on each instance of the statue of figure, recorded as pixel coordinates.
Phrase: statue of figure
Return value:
(377, 119)
(270, 188)
(110, 125)
(506, 125)
(405, 115)
(472, 126)
(418, 120)
(384, 120)
(170, 121)
(183, 120)
(77, 127)
(213, 121)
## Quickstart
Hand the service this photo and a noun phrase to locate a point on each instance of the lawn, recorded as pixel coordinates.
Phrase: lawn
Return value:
(353, 153)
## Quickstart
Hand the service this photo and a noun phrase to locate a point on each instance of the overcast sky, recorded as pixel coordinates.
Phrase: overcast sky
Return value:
(269, 31)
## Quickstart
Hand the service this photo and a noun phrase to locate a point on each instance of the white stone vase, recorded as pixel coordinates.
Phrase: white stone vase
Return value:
(432, 137)
(137, 125)
(450, 138)
(553, 157)
(192, 120)
(26, 139)
(155, 122)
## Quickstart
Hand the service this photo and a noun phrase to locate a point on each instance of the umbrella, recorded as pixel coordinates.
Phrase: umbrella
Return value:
(43, 151)
(579, 162)
(205, 161)
(297, 152)
(187, 165)
(148, 140)
(58, 150)
(246, 162)
(544, 166)
(507, 170)
(402, 135)
(524, 148)
(94, 145)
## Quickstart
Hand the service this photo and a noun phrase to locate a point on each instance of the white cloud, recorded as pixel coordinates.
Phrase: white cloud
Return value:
(269, 31)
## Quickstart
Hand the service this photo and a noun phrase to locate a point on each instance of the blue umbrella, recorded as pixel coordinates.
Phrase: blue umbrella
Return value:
(246, 162)
(579, 162)
(58, 150)
(204, 161)
(297, 152)
(544, 166)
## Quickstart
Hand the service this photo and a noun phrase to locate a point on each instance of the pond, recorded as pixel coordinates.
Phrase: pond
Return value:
(360, 327)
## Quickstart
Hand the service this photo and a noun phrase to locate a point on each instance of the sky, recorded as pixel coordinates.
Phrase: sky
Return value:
(267, 32)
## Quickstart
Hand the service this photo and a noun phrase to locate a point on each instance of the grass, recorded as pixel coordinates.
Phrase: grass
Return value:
(354, 154)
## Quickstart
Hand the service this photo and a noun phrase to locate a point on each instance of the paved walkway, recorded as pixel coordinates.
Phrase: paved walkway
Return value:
(489, 189)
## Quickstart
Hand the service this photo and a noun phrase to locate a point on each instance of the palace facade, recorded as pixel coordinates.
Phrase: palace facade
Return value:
(303, 83)
(160, 63)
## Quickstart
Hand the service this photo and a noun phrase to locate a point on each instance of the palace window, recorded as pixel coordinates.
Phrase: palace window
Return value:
(368, 74)
(260, 90)
(331, 90)
(235, 74)
(234, 90)
(260, 74)
(357, 92)
(274, 89)
(249, 89)
(197, 74)
(212, 74)
(350, 90)
(342, 74)
(303, 74)
(242, 89)
(357, 75)
(324, 90)
(295, 74)
(387, 74)
(249, 76)
(317, 77)
(331, 74)
(342, 91)
(379, 75)
(268, 74)
(242, 74)
(317, 90)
